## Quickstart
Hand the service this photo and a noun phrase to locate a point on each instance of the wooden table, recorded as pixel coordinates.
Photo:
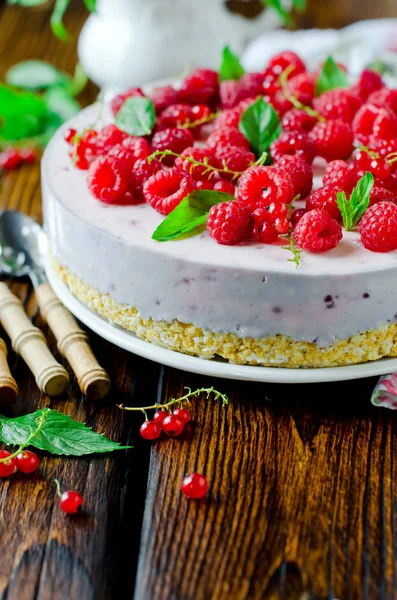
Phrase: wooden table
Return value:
(303, 496)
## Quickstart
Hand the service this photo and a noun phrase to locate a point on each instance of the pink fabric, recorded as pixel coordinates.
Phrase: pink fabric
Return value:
(385, 392)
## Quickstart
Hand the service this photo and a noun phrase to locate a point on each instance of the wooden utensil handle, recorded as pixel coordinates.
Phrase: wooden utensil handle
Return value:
(29, 342)
(8, 385)
(73, 343)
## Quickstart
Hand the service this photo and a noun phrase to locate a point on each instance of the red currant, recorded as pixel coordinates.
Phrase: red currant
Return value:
(194, 486)
(173, 425)
(380, 168)
(277, 210)
(10, 159)
(159, 416)
(150, 430)
(69, 135)
(297, 215)
(267, 234)
(27, 461)
(281, 226)
(183, 414)
(70, 502)
(28, 155)
(9, 466)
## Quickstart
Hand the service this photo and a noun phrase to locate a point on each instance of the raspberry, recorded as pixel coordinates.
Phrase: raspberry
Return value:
(293, 143)
(228, 118)
(108, 179)
(10, 159)
(119, 100)
(131, 150)
(251, 85)
(175, 116)
(233, 158)
(230, 223)
(285, 59)
(368, 82)
(382, 147)
(271, 83)
(84, 151)
(222, 185)
(164, 96)
(325, 199)
(337, 104)
(107, 137)
(299, 171)
(141, 171)
(302, 87)
(227, 136)
(173, 139)
(333, 139)
(338, 173)
(379, 194)
(229, 93)
(379, 167)
(200, 87)
(166, 189)
(378, 227)
(201, 155)
(389, 183)
(384, 97)
(317, 231)
(374, 121)
(259, 186)
(298, 120)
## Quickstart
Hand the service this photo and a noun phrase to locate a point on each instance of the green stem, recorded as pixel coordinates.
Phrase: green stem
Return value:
(40, 424)
(191, 124)
(181, 400)
(58, 487)
(283, 80)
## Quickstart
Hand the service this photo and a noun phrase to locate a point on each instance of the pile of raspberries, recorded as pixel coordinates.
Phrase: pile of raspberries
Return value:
(353, 129)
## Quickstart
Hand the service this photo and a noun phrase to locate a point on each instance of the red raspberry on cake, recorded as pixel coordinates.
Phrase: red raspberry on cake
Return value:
(228, 118)
(374, 121)
(227, 136)
(300, 173)
(286, 59)
(379, 194)
(378, 227)
(199, 87)
(119, 100)
(338, 173)
(385, 98)
(175, 116)
(389, 183)
(131, 150)
(173, 139)
(298, 120)
(166, 189)
(302, 87)
(260, 186)
(230, 223)
(337, 104)
(164, 96)
(141, 171)
(233, 158)
(108, 180)
(200, 155)
(107, 137)
(251, 85)
(325, 199)
(293, 143)
(333, 139)
(317, 231)
(382, 147)
(229, 94)
(84, 149)
(379, 166)
(368, 82)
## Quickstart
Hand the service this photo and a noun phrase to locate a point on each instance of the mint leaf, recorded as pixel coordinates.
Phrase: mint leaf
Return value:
(23, 114)
(60, 103)
(35, 75)
(90, 4)
(60, 434)
(58, 13)
(353, 209)
(261, 125)
(331, 77)
(136, 116)
(231, 67)
(190, 215)
(277, 6)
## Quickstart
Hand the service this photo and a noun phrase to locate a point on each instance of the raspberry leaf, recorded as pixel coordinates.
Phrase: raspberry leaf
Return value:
(190, 216)
(261, 125)
(59, 434)
(136, 116)
(231, 67)
(331, 77)
(353, 209)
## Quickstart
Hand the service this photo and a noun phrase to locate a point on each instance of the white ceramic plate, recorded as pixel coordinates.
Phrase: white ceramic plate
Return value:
(216, 368)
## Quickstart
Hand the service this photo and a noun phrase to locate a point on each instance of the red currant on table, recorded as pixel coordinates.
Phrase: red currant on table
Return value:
(173, 425)
(183, 414)
(159, 416)
(10, 159)
(71, 502)
(150, 430)
(194, 486)
(27, 461)
(9, 466)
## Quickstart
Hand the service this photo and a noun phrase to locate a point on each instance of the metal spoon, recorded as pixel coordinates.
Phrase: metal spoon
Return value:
(23, 248)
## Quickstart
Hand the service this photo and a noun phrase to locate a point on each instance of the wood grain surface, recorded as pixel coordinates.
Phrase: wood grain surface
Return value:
(302, 498)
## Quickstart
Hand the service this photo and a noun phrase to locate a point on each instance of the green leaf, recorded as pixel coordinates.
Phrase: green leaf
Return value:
(231, 67)
(22, 114)
(190, 215)
(91, 5)
(35, 75)
(57, 25)
(136, 116)
(299, 5)
(352, 209)
(60, 435)
(60, 103)
(277, 6)
(331, 77)
(27, 2)
(261, 125)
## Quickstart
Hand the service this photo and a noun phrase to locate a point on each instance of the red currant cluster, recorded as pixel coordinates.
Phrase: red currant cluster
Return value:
(24, 461)
(12, 158)
(172, 424)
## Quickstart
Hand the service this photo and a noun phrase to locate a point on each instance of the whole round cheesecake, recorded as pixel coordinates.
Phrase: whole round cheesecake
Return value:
(248, 303)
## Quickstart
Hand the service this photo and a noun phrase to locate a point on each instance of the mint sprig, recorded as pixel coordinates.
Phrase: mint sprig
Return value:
(331, 77)
(137, 116)
(352, 209)
(54, 432)
(260, 124)
(230, 68)
(190, 216)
